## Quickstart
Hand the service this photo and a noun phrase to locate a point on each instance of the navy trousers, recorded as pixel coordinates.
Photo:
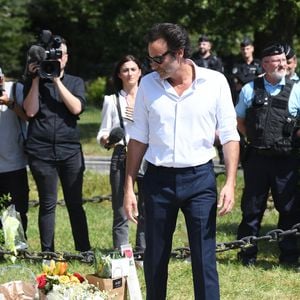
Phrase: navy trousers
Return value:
(279, 175)
(70, 173)
(193, 190)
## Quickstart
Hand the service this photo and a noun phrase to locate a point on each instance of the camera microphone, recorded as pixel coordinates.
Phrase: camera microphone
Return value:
(36, 54)
(114, 137)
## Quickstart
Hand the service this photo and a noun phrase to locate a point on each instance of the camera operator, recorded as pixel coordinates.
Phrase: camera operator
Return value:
(13, 173)
(54, 151)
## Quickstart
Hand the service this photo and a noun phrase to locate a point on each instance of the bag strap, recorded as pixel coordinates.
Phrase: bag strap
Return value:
(14, 96)
(120, 117)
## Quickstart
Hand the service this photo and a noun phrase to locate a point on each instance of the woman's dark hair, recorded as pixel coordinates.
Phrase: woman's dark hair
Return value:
(176, 37)
(117, 82)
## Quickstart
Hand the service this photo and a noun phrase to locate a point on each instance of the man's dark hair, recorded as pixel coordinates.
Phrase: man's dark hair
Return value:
(176, 37)
(246, 42)
(118, 84)
(288, 50)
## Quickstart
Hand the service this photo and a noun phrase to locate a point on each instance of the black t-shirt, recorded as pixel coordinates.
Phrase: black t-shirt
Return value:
(244, 72)
(53, 133)
(211, 62)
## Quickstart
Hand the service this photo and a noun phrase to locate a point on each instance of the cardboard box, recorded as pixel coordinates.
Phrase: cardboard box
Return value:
(116, 288)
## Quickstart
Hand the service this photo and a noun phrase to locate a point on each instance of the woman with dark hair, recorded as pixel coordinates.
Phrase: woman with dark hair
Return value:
(117, 115)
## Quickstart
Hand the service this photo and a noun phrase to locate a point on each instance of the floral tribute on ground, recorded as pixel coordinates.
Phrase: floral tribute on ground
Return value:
(55, 282)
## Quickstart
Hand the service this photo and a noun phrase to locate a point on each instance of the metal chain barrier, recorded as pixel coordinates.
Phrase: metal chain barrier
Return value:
(275, 235)
(180, 253)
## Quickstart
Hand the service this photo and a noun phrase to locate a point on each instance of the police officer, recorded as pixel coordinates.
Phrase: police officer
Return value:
(291, 60)
(246, 69)
(204, 57)
(266, 115)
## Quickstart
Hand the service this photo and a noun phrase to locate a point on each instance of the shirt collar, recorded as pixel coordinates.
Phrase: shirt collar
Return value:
(197, 69)
(123, 93)
(294, 77)
(280, 83)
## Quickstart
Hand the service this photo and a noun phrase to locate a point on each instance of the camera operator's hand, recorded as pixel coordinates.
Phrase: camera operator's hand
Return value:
(56, 79)
(33, 69)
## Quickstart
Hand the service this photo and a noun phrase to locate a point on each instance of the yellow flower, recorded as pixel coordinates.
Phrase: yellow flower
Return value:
(64, 279)
(48, 267)
(60, 268)
(74, 279)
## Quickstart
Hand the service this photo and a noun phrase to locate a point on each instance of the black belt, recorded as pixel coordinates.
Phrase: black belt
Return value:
(176, 170)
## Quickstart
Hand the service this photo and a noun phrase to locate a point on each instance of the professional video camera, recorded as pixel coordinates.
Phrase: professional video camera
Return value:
(46, 53)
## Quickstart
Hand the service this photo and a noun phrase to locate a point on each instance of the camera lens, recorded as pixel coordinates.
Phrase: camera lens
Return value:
(49, 68)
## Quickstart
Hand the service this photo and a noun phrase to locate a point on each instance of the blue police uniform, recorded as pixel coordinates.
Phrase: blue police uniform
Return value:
(265, 171)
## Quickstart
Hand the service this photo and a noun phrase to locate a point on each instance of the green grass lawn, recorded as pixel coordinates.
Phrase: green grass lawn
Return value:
(89, 125)
(265, 281)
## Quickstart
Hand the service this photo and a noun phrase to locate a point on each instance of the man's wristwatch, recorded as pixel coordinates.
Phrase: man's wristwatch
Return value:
(11, 104)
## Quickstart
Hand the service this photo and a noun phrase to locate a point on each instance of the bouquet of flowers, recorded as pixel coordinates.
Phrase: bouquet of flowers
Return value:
(110, 265)
(57, 283)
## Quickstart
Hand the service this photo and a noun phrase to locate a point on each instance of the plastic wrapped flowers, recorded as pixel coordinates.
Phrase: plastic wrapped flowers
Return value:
(57, 283)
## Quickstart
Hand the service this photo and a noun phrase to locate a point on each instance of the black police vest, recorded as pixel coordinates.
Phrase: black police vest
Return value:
(269, 125)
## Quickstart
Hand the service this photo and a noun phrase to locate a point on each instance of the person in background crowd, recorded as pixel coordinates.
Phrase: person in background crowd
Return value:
(246, 69)
(243, 71)
(13, 161)
(291, 60)
(117, 113)
(53, 106)
(204, 56)
(177, 110)
(267, 113)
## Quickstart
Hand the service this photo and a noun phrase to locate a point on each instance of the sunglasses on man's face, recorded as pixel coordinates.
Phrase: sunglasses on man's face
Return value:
(158, 59)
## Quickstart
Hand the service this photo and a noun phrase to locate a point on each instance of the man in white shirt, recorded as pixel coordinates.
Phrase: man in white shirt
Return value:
(178, 108)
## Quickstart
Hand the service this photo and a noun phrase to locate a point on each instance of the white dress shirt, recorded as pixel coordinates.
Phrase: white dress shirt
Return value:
(180, 130)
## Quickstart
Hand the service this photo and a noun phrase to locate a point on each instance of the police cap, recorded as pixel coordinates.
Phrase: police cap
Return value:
(246, 42)
(272, 49)
(203, 38)
(288, 50)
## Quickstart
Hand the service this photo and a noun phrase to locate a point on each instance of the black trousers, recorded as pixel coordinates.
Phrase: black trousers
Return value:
(15, 183)
(70, 173)
(120, 225)
(280, 175)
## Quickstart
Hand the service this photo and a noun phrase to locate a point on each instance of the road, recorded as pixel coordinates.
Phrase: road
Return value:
(97, 163)
(102, 163)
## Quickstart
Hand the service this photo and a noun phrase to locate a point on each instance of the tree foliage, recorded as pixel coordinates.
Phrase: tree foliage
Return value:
(14, 22)
(99, 32)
